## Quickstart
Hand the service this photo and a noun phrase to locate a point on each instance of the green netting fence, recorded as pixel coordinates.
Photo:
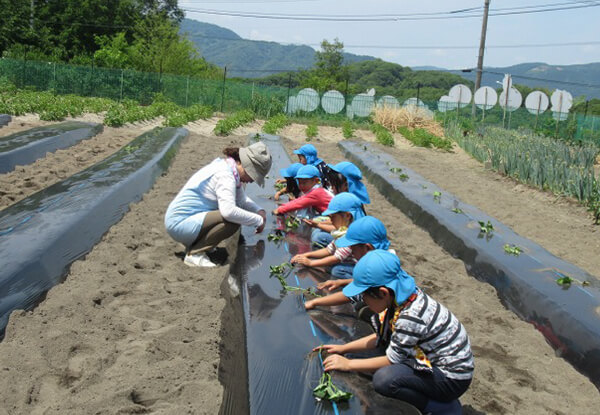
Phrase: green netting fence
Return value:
(228, 95)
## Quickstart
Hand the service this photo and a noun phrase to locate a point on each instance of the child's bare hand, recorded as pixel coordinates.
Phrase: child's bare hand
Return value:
(309, 305)
(331, 348)
(276, 197)
(336, 362)
(330, 285)
(295, 258)
(310, 222)
(302, 260)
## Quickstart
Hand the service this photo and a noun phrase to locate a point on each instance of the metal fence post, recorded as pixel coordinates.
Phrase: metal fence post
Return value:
(187, 90)
(223, 90)
(121, 97)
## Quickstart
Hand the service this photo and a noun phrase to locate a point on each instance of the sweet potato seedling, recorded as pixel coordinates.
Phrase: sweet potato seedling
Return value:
(275, 236)
(457, 210)
(396, 169)
(291, 223)
(486, 227)
(512, 249)
(326, 390)
(403, 177)
(437, 197)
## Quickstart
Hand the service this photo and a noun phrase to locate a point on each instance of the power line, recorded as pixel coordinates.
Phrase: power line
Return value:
(532, 78)
(460, 14)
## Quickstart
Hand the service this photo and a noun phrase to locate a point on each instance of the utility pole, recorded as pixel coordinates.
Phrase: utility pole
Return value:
(486, 8)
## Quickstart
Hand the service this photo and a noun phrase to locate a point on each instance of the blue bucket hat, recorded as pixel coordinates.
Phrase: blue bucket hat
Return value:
(308, 172)
(380, 268)
(310, 152)
(353, 177)
(345, 202)
(290, 171)
(366, 230)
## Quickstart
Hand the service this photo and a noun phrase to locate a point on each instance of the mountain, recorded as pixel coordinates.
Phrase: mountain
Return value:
(537, 74)
(250, 58)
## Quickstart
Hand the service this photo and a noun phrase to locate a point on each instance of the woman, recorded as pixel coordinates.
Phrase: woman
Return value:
(212, 205)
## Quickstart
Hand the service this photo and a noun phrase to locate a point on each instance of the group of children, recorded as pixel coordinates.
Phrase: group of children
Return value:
(422, 352)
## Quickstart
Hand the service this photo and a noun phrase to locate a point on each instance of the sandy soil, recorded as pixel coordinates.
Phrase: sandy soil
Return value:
(133, 330)
(26, 180)
(517, 372)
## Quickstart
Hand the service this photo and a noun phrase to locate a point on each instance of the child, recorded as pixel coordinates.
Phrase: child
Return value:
(343, 210)
(364, 235)
(343, 177)
(428, 360)
(315, 197)
(307, 155)
(289, 178)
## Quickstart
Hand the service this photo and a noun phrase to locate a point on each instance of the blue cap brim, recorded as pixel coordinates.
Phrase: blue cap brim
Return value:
(344, 242)
(353, 289)
(283, 173)
(329, 212)
(302, 176)
(298, 152)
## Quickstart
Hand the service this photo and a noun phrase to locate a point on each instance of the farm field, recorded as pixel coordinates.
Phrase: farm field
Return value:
(133, 329)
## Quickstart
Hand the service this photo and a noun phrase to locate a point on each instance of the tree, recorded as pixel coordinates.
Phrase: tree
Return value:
(330, 60)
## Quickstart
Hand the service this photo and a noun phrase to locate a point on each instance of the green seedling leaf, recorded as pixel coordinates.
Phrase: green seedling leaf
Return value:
(274, 237)
(457, 210)
(564, 281)
(437, 196)
(396, 169)
(327, 390)
(404, 177)
(291, 223)
(486, 227)
(512, 249)
(280, 185)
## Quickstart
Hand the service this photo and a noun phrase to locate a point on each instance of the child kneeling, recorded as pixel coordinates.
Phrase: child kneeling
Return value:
(428, 360)
(342, 210)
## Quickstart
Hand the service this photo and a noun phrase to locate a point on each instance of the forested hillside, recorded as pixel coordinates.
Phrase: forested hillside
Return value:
(132, 34)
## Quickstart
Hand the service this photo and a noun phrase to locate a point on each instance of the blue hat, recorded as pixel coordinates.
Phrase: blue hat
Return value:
(291, 170)
(307, 172)
(345, 202)
(367, 230)
(310, 152)
(353, 177)
(380, 268)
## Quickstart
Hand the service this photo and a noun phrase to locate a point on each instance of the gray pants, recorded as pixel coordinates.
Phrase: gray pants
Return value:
(214, 230)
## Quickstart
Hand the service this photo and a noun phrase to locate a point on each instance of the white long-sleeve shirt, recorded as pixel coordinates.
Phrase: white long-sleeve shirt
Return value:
(214, 187)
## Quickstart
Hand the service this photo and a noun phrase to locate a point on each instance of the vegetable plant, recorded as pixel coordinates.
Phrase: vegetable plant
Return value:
(278, 272)
(311, 131)
(280, 185)
(512, 249)
(403, 177)
(291, 223)
(227, 125)
(487, 228)
(396, 169)
(437, 197)
(457, 210)
(347, 129)
(565, 280)
(274, 124)
(275, 236)
(327, 390)
(382, 135)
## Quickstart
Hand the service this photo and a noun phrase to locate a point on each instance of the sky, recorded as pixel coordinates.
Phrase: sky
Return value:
(422, 42)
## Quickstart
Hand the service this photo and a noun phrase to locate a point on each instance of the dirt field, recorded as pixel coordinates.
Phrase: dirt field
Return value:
(133, 330)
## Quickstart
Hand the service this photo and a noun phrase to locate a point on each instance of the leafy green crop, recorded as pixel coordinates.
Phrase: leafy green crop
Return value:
(487, 228)
(403, 177)
(278, 272)
(423, 138)
(512, 249)
(382, 135)
(457, 210)
(275, 236)
(274, 124)
(437, 196)
(347, 129)
(328, 391)
(311, 131)
(227, 125)
(291, 223)
(280, 185)
(396, 169)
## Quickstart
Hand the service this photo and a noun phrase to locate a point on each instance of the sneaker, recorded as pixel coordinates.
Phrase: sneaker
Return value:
(198, 260)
